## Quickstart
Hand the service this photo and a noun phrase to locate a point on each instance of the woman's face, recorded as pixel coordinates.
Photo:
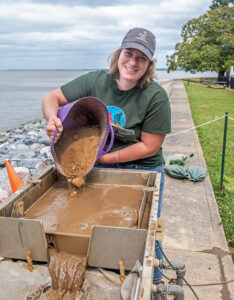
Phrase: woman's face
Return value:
(132, 65)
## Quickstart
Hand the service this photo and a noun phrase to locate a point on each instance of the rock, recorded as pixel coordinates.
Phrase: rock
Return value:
(4, 148)
(40, 168)
(2, 134)
(29, 163)
(35, 146)
(17, 130)
(43, 122)
(42, 134)
(28, 150)
(14, 162)
(45, 151)
(4, 181)
(23, 173)
(21, 147)
(2, 162)
(31, 138)
(3, 195)
(3, 139)
(44, 141)
(16, 138)
(43, 138)
(3, 175)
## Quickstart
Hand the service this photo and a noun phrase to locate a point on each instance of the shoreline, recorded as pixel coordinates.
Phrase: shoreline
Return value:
(28, 150)
(21, 125)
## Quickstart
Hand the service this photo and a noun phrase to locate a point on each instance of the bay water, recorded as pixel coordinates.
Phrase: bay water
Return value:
(21, 92)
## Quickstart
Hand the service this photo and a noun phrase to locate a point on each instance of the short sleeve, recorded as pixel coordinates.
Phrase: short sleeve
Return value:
(78, 87)
(158, 115)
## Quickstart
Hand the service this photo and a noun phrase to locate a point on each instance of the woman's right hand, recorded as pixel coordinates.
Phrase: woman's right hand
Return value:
(54, 123)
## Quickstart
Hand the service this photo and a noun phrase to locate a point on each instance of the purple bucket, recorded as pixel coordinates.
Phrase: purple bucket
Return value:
(94, 110)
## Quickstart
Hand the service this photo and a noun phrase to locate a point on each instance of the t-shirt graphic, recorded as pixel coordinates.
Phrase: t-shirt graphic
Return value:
(117, 116)
(118, 120)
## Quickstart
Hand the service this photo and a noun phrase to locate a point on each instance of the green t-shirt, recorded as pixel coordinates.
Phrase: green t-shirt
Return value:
(134, 110)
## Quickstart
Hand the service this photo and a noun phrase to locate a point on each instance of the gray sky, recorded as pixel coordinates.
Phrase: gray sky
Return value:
(82, 34)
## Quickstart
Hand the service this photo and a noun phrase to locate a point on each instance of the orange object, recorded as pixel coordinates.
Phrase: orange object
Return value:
(122, 271)
(15, 180)
(29, 260)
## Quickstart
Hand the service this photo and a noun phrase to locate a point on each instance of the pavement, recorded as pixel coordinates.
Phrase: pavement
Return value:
(193, 233)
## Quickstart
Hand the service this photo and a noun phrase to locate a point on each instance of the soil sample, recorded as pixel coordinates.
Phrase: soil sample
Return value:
(76, 152)
(67, 273)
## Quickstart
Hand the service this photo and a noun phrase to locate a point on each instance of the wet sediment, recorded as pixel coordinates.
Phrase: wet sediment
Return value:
(76, 151)
(67, 273)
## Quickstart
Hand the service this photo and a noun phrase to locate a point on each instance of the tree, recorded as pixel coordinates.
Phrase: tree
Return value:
(208, 43)
(221, 3)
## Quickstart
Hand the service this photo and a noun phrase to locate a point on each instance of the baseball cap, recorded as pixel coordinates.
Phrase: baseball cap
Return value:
(141, 39)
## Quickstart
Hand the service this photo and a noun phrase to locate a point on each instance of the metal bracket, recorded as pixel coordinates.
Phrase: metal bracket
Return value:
(159, 230)
(18, 210)
(160, 225)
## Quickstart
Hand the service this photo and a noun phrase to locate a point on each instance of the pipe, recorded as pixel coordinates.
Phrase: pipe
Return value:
(178, 266)
(169, 289)
(179, 279)
(137, 288)
(138, 284)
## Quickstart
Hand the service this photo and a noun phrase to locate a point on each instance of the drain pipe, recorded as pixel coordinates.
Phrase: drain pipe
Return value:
(178, 266)
(138, 284)
(169, 289)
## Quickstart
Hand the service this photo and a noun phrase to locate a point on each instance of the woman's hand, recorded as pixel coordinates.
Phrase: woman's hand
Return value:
(101, 160)
(50, 106)
(54, 123)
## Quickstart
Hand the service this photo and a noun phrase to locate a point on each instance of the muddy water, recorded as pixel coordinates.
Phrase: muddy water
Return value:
(92, 205)
(67, 273)
(76, 151)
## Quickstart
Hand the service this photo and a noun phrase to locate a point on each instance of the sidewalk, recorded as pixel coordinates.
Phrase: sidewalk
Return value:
(192, 232)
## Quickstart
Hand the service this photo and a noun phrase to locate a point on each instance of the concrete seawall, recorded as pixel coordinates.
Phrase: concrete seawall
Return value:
(168, 85)
(193, 231)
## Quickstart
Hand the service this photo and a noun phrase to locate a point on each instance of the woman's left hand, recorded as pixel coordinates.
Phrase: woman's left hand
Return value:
(101, 160)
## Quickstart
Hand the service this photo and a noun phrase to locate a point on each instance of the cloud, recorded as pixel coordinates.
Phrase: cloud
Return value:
(85, 31)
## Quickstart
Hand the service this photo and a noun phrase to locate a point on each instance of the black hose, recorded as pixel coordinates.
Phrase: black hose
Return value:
(177, 272)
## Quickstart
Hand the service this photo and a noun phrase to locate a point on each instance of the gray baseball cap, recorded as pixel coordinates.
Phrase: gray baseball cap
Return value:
(141, 39)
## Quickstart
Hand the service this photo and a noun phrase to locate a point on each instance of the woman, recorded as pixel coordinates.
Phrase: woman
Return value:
(136, 103)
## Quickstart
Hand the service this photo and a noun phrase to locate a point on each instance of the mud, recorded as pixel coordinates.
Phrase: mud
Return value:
(76, 152)
(67, 273)
(106, 205)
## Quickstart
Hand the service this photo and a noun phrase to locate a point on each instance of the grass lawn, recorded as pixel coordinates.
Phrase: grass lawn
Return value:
(207, 104)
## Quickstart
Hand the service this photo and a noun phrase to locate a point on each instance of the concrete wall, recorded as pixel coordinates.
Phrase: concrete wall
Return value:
(168, 86)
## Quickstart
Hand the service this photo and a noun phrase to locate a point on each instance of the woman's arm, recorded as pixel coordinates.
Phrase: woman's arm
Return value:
(148, 146)
(50, 106)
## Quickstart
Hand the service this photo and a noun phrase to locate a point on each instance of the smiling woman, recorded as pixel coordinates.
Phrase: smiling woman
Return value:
(130, 61)
(137, 106)
(132, 66)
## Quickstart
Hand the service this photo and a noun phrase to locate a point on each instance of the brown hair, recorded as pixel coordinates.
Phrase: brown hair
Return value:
(144, 81)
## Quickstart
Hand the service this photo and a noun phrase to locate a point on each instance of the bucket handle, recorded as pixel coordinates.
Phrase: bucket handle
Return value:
(110, 129)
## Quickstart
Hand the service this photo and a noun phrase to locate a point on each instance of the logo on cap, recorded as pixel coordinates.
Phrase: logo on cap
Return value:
(142, 36)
